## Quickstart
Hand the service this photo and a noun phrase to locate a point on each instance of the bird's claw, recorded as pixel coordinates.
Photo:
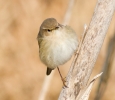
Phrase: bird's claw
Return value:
(64, 81)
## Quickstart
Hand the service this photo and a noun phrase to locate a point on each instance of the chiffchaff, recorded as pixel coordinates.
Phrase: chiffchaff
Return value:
(57, 43)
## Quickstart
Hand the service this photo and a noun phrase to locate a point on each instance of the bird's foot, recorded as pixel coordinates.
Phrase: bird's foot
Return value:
(64, 83)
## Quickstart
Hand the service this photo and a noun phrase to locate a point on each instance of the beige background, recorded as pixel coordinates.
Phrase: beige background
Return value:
(21, 72)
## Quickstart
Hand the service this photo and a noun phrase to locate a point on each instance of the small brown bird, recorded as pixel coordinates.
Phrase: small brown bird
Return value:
(57, 44)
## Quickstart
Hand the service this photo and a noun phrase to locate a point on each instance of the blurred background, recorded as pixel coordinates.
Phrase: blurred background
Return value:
(22, 73)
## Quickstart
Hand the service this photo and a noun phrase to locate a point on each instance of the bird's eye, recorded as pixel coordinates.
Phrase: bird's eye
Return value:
(49, 30)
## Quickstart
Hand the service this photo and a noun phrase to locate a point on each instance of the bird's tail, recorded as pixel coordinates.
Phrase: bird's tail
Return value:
(48, 71)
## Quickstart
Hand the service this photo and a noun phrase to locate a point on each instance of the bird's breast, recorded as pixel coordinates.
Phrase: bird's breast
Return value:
(57, 49)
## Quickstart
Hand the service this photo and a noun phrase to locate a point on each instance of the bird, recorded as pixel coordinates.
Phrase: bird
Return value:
(57, 43)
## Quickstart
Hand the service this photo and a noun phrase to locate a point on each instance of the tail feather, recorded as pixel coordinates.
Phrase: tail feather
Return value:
(48, 71)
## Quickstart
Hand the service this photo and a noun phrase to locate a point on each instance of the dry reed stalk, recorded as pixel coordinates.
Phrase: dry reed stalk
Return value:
(83, 64)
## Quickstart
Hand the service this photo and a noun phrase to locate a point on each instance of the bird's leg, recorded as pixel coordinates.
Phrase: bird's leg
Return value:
(63, 80)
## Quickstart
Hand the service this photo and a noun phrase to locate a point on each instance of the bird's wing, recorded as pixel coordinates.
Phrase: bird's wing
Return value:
(39, 38)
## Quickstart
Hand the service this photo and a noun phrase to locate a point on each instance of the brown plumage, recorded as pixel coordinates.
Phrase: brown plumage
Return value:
(57, 43)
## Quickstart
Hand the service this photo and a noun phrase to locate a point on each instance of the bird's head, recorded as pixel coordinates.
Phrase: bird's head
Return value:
(49, 27)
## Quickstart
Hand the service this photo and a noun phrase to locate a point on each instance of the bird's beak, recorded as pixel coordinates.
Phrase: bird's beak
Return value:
(59, 25)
